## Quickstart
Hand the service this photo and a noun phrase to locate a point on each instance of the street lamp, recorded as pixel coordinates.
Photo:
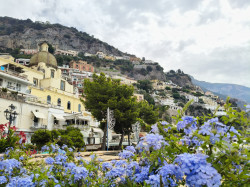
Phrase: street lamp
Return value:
(10, 115)
(136, 128)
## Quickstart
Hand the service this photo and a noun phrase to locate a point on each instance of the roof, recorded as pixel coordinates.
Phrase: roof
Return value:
(43, 56)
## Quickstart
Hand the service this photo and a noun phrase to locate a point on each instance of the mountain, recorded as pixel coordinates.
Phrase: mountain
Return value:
(179, 78)
(232, 90)
(15, 33)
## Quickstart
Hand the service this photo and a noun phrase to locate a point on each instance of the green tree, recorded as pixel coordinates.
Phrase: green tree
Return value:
(145, 85)
(143, 71)
(176, 96)
(41, 137)
(76, 136)
(51, 49)
(149, 68)
(104, 92)
(167, 88)
(147, 112)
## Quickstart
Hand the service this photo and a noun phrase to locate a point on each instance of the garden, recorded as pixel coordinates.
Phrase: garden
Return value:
(204, 151)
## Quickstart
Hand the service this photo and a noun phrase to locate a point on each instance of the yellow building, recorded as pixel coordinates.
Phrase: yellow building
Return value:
(55, 90)
(158, 85)
(48, 86)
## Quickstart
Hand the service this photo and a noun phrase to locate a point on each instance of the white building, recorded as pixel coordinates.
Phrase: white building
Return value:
(23, 61)
(13, 81)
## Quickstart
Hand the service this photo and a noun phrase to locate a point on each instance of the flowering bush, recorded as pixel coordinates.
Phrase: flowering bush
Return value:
(194, 152)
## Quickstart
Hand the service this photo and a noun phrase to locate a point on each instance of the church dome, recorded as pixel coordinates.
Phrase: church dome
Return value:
(43, 56)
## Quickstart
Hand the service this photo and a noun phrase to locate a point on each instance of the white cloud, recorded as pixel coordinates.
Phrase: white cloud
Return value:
(207, 39)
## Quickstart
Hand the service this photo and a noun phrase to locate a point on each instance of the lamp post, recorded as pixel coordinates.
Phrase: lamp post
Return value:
(110, 123)
(136, 128)
(10, 115)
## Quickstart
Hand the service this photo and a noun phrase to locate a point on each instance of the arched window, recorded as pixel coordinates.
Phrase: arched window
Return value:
(69, 105)
(79, 108)
(59, 102)
(48, 99)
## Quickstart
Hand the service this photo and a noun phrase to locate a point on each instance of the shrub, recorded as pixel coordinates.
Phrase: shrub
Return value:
(41, 138)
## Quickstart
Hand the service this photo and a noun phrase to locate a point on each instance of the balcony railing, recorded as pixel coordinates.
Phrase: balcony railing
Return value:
(37, 125)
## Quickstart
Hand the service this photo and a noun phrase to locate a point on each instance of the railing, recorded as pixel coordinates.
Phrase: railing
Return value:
(16, 74)
(36, 125)
(10, 96)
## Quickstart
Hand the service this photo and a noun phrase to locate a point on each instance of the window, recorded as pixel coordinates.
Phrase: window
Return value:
(62, 85)
(59, 102)
(9, 85)
(35, 82)
(52, 74)
(1, 82)
(48, 99)
(69, 105)
(18, 87)
(79, 108)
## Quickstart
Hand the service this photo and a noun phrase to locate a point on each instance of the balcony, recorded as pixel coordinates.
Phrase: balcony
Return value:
(37, 125)
(11, 96)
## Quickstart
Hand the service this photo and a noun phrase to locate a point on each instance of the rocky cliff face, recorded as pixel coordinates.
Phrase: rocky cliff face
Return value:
(16, 33)
(180, 79)
(148, 72)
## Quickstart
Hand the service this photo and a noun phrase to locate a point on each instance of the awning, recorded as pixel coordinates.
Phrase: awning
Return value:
(59, 117)
(39, 115)
(97, 130)
(82, 118)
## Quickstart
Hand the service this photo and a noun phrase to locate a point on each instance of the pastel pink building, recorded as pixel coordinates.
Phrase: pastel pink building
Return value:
(81, 66)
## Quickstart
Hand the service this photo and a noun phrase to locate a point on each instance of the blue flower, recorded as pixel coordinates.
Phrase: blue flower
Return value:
(115, 172)
(21, 182)
(205, 129)
(213, 120)
(164, 123)
(167, 129)
(70, 149)
(125, 154)
(130, 148)
(121, 163)
(154, 141)
(93, 156)
(21, 158)
(3, 179)
(79, 173)
(49, 160)
(45, 148)
(9, 164)
(214, 138)
(154, 129)
(198, 172)
(167, 171)
(247, 108)
(142, 175)
(64, 146)
(153, 180)
(106, 165)
(188, 123)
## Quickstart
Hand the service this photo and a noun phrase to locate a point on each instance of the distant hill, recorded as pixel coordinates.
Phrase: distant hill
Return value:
(232, 90)
(15, 33)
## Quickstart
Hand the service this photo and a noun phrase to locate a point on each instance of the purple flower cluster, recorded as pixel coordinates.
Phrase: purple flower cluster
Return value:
(49, 160)
(198, 172)
(45, 148)
(125, 154)
(188, 123)
(21, 182)
(79, 173)
(154, 141)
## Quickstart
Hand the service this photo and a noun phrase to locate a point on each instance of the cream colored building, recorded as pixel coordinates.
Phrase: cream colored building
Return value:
(51, 102)
(158, 85)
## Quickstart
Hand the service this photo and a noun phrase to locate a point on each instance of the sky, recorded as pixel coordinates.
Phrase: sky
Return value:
(208, 39)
